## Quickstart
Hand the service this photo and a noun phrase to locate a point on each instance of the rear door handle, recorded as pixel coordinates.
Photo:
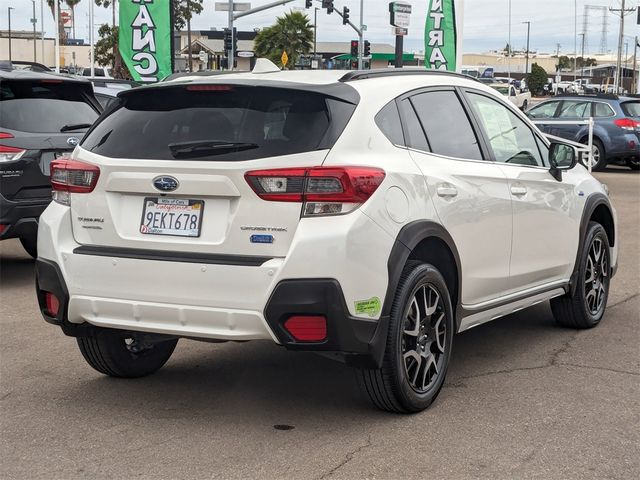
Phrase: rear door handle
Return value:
(519, 190)
(447, 191)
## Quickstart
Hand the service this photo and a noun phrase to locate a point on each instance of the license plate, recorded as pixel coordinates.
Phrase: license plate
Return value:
(171, 216)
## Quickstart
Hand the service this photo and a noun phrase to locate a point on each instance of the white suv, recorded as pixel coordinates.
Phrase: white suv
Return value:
(367, 216)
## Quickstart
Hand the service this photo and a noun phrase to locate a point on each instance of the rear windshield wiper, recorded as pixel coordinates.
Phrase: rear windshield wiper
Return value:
(75, 126)
(208, 147)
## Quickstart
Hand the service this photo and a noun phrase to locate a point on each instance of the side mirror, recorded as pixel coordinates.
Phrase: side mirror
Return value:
(561, 157)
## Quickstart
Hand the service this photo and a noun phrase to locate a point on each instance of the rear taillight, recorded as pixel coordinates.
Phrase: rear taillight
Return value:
(323, 190)
(627, 124)
(71, 176)
(10, 154)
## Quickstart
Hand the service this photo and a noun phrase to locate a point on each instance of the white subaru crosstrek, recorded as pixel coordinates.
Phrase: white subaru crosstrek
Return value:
(368, 216)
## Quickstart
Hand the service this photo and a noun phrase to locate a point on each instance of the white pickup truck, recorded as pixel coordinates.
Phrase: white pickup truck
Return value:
(522, 100)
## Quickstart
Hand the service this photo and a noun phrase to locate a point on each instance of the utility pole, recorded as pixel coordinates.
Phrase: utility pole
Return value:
(56, 18)
(315, 32)
(509, 46)
(575, 40)
(189, 35)
(361, 37)
(582, 55)
(635, 65)
(92, 59)
(42, 30)
(526, 70)
(34, 20)
(9, 12)
(622, 11)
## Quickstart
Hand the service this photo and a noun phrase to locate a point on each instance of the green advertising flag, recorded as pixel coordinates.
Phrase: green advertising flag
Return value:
(440, 36)
(145, 38)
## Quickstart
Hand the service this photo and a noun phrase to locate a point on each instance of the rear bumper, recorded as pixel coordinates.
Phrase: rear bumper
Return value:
(20, 217)
(222, 297)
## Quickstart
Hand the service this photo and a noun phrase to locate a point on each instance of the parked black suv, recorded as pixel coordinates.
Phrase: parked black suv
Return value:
(42, 116)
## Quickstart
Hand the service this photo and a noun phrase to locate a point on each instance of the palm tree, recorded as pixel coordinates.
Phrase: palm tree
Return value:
(72, 5)
(292, 33)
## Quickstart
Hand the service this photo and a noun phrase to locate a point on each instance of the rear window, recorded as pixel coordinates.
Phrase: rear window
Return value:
(631, 109)
(221, 122)
(42, 107)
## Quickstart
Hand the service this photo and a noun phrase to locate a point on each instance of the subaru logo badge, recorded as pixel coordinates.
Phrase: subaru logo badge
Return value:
(165, 183)
(72, 141)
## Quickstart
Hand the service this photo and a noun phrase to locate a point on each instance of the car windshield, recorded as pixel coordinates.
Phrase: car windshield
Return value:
(218, 122)
(631, 109)
(43, 107)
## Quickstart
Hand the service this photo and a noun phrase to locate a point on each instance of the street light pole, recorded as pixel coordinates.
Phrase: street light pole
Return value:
(509, 46)
(575, 40)
(582, 55)
(526, 71)
(361, 42)
(9, 11)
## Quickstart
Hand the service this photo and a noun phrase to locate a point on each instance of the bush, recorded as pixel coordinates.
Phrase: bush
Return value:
(537, 79)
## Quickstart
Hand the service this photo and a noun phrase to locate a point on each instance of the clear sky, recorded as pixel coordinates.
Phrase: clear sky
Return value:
(485, 22)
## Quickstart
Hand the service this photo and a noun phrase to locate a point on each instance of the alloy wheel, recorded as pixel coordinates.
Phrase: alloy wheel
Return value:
(424, 338)
(596, 277)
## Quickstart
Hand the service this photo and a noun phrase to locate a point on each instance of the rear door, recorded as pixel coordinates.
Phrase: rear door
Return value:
(173, 161)
(546, 110)
(471, 195)
(39, 121)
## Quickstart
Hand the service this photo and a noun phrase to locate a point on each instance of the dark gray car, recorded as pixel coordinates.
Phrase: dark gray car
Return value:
(616, 133)
(42, 116)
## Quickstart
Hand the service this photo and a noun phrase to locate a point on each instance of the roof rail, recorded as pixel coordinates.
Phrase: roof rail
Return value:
(604, 96)
(393, 72)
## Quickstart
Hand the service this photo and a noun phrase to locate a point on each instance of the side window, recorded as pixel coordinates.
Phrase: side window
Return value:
(544, 150)
(575, 109)
(414, 134)
(446, 125)
(511, 139)
(546, 110)
(602, 110)
(388, 121)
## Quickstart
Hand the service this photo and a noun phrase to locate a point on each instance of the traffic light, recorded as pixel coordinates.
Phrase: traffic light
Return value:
(227, 40)
(308, 4)
(328, 4)
(354, 48)
(367, 48)
(345, 15)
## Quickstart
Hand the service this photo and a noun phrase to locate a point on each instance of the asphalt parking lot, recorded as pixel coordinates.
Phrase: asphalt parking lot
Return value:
(523, 399)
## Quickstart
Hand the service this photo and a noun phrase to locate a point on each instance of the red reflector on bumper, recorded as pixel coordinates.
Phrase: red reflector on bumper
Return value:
(3, 227)
(307, 328)
(53, 304)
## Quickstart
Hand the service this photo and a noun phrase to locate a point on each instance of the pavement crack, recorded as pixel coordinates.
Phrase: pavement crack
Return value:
(593, 367)
(553, 360)
(624, 300)
(347, 458)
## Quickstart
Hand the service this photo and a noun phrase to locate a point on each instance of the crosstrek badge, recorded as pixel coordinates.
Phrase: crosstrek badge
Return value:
(369, 307)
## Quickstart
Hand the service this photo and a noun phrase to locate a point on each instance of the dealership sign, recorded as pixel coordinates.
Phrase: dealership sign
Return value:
(443, 34)
(145, 38)
(400, 14)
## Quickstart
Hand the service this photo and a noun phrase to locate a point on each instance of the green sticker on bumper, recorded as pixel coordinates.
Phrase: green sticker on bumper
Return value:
(369, 307)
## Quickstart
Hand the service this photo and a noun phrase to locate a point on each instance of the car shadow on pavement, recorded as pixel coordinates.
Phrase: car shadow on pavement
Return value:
(260, 380)
(16, 271)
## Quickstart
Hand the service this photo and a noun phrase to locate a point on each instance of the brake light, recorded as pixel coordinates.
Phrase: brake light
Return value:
(307, 328)
(209, 88)
(627, 123)
(5, 135)
(323, 190)
(10, 154)
(71, 176)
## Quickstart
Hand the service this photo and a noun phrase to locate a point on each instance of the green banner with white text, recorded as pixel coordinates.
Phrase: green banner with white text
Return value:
(441, 36)
(145, 38)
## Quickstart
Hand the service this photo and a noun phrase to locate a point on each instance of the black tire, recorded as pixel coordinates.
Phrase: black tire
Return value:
(578, 310)
(525, 105)
(633, 163)
(30, 245)
(390, 388)
(600, 152)
(109, 352)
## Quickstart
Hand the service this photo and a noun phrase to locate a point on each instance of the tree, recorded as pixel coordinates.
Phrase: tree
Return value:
(564, 63)
(184, 10)
(537, 79)
(292, 33)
